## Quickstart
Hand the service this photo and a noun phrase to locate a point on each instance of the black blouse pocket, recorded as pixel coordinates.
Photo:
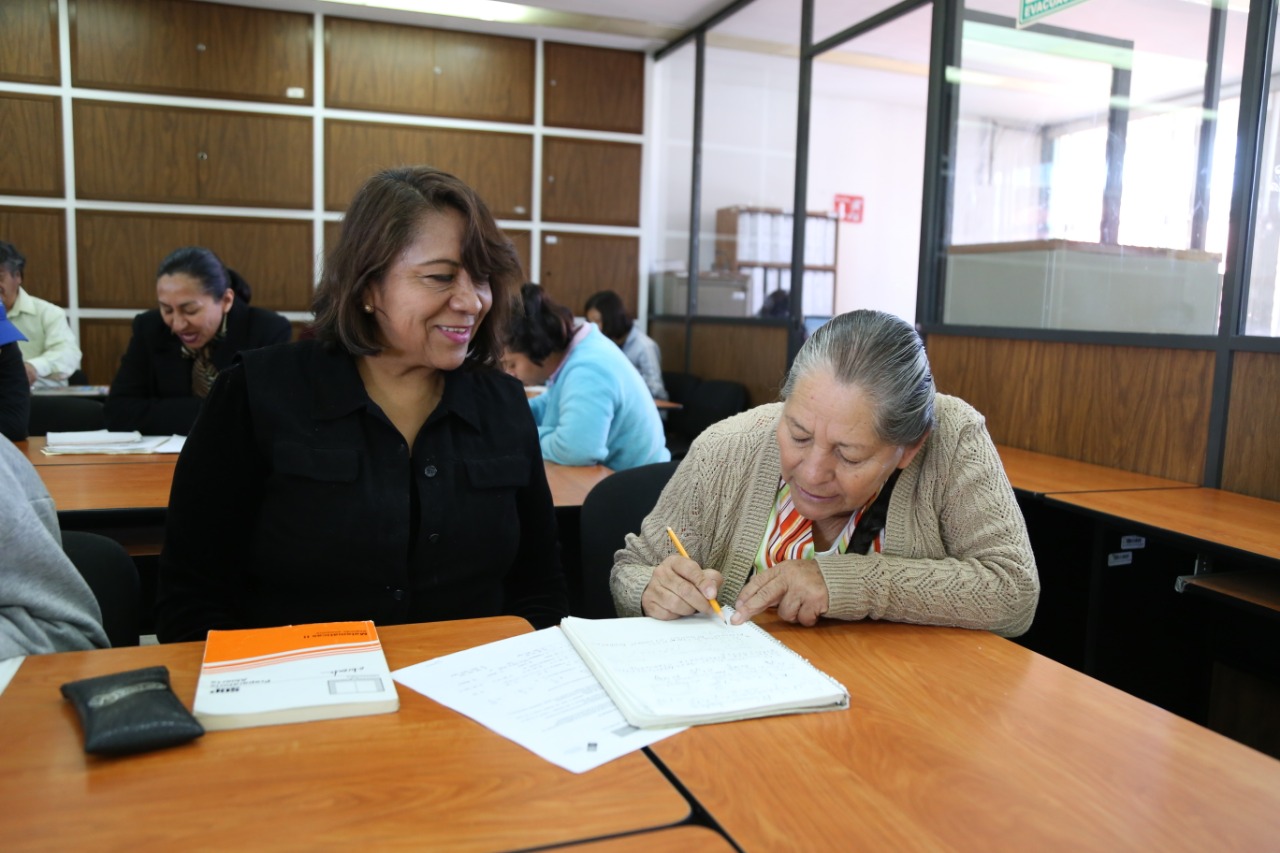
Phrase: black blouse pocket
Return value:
(328, 465)
(503, 472)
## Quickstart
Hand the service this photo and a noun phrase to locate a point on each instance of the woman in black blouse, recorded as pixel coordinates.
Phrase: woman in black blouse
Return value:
(203, 321)
(385, 470)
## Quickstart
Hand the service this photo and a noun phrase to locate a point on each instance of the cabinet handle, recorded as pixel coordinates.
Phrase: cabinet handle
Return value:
(551, 179)
(551, 82)
(201, 155)
(200, 47)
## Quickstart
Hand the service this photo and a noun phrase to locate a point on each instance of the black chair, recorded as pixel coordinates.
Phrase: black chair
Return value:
(109, 570)
(65, 414)
(708, 402)
(611, 510)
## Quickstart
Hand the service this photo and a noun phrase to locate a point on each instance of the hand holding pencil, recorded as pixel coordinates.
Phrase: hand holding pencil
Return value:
(680, 587)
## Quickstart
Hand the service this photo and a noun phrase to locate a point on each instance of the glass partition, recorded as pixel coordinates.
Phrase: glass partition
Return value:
(674, 78)
(1262, 310)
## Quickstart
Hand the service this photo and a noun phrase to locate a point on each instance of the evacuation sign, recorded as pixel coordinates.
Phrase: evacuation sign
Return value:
(849, 208)
(1030, 11)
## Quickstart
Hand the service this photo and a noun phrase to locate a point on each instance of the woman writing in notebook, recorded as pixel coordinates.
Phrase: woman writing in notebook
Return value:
(865, 494)
(385, 470)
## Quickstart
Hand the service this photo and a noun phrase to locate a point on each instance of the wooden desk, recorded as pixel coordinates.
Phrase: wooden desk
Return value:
(960, 740)
(1225, 520)
(126, 486)
(425, 777)
(1040, 473)
(678, 839)
(570, 484)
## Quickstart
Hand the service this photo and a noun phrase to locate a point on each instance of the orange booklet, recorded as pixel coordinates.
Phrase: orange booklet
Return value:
(292, 674)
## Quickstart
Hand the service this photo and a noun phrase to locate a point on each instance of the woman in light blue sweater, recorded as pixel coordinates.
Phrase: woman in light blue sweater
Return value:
(596, 408)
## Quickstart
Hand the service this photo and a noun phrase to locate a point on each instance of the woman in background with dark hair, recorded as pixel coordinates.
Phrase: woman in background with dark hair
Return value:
(606, 310)
(177, 350)
(596, 409)
(385, 470)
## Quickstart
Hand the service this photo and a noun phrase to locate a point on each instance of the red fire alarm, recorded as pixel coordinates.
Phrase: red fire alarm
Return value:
(849, 208)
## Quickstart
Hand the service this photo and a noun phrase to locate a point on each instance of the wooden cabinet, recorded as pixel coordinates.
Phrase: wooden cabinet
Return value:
(118, 254)
(126, 152)
(499, 166)
(30, 145)
(591, 182)
(102, 343)
(41, 236)
(522, 241)
(574, 266)
(192, 48)
(29, 41)
(756, 242)
(593, 88)
(392, 68)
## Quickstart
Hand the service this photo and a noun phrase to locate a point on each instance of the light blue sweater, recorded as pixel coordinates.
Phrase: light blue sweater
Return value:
(597, 410)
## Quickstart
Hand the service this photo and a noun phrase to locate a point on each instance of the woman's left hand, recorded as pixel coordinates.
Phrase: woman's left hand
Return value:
(795, 587)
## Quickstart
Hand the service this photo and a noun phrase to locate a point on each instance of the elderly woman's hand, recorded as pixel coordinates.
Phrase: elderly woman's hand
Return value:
(679, 586)
(795, 587)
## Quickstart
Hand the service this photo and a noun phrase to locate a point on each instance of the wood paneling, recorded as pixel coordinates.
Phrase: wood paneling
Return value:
(499, 166)
(41, 236)
(755, 355)
(29, 41)
(182, 47)
(669, 336)
(30, 145)
(1135, 408)
(1251, 463)
(128, 152)
(119, 253)
(331, 232)
(588, 181)
(594, 88)
(522, 241)
(386, 67)
(103, 342)
(574, 266)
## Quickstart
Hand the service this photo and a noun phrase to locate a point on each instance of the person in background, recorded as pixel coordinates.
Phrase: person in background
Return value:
(45, 604)
(596, 409)
(865, 494)
(386, 469)
(50, 352)
(15, 391)
(203, 322)
(606, 310)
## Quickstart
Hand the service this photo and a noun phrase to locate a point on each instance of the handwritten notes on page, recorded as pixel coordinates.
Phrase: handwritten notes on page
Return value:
(535, 690)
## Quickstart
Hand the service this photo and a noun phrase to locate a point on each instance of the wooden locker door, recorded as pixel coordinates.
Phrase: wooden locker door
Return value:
(41, 236)
(118, 253)
(256, 54)
(137, 45)
(590, 182)
(372, 66)
(255, 160)
(103, 342)
(29, 41)
(273, 255)
(522, 241)
(593, 87)
(483, 77)
(127, 152)
(574, 266)
(30, 145)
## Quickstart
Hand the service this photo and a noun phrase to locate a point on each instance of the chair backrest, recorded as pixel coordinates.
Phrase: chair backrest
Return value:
(64, 414)
(110, 572)
(611, 510)
(715, 400)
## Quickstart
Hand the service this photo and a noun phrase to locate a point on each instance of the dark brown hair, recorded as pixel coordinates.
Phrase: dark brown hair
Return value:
(614, 321)
(542, 328)
(382, 220)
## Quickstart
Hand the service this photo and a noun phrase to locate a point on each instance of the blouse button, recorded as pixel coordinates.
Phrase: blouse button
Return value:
(430, 470)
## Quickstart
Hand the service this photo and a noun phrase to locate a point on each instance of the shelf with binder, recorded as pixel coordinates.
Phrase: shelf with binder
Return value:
(756, 242)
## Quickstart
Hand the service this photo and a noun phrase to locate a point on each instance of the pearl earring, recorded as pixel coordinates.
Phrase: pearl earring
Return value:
(368, 309)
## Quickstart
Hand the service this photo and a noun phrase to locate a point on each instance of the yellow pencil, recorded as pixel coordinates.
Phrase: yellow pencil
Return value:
(675, 540)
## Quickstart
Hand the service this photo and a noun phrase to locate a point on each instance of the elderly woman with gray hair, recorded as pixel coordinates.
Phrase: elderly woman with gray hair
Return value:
(865, 494)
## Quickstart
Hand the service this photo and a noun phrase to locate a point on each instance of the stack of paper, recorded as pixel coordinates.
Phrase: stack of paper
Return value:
(102, 441)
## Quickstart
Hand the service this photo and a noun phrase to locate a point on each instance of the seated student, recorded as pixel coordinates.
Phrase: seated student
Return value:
(50, 350)
(45, 604)
(863, 495)
(606, 310)
(177, 350)
(596, 408)
(15, 391)
(386, 469)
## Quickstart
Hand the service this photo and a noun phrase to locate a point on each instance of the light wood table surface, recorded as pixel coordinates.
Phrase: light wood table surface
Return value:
(32, 447)
(961, 740)
(677, 839)
(1040, 474)
(570, 484)
(1224, 519)
(423, 778)
(88, 487)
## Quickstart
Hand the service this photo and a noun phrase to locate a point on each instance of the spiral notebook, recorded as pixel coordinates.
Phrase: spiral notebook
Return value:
(698, 670)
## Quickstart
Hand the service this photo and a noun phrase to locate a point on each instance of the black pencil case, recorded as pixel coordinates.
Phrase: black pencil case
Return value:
(134, 711)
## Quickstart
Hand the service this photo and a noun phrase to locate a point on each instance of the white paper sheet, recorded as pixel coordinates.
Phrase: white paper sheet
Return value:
(535, 690)
(8, 667)
(143, 444)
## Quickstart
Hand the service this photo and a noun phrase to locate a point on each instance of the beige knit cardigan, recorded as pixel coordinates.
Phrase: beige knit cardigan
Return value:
(956, 549)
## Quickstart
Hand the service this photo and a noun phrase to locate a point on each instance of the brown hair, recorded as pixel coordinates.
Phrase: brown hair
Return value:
(383, 218)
